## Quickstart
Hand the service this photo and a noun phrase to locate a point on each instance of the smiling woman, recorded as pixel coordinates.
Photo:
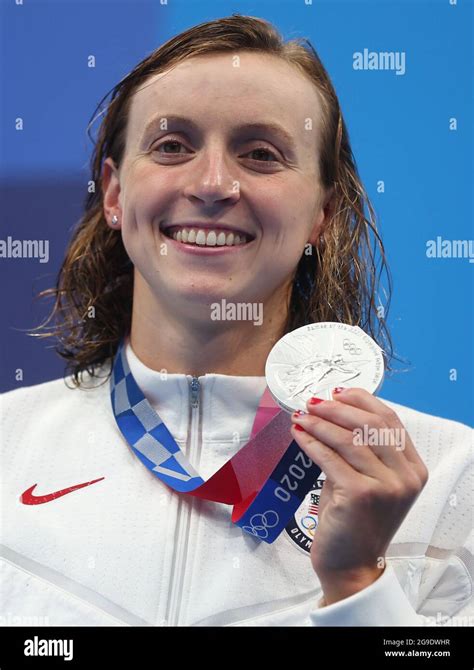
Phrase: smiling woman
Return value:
(265, 152)
(227, 211)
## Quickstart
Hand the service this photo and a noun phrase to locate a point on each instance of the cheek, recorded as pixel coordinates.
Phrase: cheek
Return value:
(285, 211)
(142, 206)
(287, 234)
(146, 194)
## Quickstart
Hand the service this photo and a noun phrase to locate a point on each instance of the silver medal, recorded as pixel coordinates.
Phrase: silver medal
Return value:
(312, 360)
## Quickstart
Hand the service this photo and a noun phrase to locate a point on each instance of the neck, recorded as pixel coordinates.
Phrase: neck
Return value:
(164, 337)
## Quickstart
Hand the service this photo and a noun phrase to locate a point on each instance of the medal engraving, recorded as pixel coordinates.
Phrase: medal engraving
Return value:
(313, 359)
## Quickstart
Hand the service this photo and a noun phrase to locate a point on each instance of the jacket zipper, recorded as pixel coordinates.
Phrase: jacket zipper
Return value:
(184, 514)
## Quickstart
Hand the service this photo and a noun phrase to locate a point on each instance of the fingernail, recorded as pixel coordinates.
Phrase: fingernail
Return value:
(298, 427)
(299, 412)
(315, 401)
(338, 389)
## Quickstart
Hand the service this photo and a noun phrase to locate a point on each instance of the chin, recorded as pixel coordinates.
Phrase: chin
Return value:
(199, 293)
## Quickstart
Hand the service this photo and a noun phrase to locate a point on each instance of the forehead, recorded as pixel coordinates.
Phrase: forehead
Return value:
(221, 90)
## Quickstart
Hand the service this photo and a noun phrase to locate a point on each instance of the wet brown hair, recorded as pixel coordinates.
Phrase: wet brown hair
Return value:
(338, 281)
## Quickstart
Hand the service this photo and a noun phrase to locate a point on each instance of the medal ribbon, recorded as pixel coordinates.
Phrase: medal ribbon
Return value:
(266, 481)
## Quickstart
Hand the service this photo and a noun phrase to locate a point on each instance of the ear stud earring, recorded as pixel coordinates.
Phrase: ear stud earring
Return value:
(114, 220)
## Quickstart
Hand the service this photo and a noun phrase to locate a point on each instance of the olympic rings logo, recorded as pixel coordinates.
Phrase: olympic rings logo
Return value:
(260, 523)
(310, 525)
(351, 347)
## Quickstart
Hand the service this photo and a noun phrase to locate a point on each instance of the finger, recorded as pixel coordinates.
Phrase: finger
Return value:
(361, 398)
(366, 428)
(360, 457)
(333, 465)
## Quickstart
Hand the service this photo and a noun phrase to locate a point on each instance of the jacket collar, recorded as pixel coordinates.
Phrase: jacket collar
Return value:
(227, 403)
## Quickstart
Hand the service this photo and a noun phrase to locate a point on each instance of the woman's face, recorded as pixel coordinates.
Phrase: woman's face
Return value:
(220, 166)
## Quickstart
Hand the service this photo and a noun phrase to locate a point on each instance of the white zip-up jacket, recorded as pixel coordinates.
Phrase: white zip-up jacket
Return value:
(127, 550)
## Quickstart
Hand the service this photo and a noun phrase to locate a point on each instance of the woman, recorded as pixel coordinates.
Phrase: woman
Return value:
(223, 172)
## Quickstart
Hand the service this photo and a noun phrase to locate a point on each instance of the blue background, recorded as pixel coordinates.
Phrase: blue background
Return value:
(398, 127)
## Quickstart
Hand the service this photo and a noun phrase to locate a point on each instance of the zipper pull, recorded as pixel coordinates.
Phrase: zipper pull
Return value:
(195, 388)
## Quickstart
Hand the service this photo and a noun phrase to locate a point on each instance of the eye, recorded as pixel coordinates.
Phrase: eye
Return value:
(171, 142)
(266, 151)
(176, 144)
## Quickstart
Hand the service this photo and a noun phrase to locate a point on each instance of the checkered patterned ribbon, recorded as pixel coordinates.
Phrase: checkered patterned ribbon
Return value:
(266, 481)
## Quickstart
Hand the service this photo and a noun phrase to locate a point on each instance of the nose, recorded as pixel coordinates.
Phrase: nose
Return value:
(211, 180)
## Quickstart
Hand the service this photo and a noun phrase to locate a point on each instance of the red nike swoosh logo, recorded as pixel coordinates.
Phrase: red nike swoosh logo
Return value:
(27, 498)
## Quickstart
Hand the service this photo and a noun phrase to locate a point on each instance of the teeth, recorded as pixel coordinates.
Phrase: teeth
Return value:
(209, 239)
(201, 237)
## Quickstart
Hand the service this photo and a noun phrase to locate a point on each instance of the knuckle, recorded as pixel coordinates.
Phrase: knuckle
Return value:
(364, 495)
(413, 484)
(350, 443)
(424, 475)
(389, 416)
(394, 489)
(311, 426)
(379, 422)
(328, 454)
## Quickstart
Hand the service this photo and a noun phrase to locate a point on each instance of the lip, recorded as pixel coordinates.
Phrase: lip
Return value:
(203, 250)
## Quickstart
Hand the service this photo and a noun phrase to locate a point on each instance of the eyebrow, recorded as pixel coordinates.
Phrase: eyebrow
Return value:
(262, 126)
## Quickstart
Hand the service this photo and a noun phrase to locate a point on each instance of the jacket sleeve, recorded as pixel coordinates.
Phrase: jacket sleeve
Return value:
(384, 603)
(440, 591)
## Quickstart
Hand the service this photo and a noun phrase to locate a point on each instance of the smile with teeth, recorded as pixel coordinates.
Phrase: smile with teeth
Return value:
(207, 238)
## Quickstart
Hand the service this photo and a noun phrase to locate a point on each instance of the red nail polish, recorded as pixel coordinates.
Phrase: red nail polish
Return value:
(338, 389)
(315, 401)
(298, 427)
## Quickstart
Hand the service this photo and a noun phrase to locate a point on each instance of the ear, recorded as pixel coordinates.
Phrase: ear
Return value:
(111, 193)
(324, 215)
